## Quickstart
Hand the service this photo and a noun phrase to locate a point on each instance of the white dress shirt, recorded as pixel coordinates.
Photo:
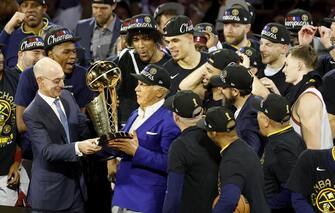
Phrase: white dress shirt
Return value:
(144, 114)
(51, 102)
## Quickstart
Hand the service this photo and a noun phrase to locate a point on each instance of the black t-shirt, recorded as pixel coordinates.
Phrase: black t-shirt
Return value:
(325, 64)
(8, 131)
(314, 177)
(327, 90)
(280, 155)
(240, 166)
(196, 156)
(278, 79)
(177, 73)
(126, 90)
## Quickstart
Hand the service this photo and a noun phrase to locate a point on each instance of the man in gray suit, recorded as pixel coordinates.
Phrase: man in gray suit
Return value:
(55, 126)
(99, 33)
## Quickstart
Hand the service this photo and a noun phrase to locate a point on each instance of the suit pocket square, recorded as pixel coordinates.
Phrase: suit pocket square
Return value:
(152, 133)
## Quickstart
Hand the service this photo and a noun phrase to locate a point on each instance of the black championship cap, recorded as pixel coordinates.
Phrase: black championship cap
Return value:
(329, 19)
(236, 15)
(276, 107)
(219, 119)
(252, 12)
(276, 33)
(254, 56)
(178, 25)
(245, 5)
(222, 57)
(111, 2)
(31, 43)
(153, 74)
(39, 1)
(142, 21)
(235, 76)
(185, 103)
(171, 7)
(297, 18)
(124, 26)
(202, 28)
(58, 36)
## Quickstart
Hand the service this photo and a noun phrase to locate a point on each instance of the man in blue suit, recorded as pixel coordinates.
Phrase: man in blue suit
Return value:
(142, 173)
(55, 125)
(99, 34)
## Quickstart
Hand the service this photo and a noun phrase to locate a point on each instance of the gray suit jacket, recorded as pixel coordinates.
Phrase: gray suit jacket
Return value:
(84, 30)
(57, 178)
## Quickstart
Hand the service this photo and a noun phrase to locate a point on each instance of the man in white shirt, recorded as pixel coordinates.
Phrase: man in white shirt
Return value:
(141, 177)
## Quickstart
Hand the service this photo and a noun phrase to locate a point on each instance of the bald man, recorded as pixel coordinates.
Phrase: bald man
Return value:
(55, 125)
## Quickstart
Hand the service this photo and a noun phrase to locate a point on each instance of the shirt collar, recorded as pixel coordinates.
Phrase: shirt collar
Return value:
(19, 68)
(46, 23)
(279, 131)
(149, 110)
(224, 148)
(47, 99)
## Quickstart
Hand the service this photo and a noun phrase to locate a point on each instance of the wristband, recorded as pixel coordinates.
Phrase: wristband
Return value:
(18, 155)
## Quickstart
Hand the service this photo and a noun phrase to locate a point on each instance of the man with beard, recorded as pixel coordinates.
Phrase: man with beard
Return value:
(198, 80)
(144, 37)
(98, 34)
(309, 113)
(27, 21)
(178, 34)
(236, 25)
(31, 50)
(234, 86)
(273, 47)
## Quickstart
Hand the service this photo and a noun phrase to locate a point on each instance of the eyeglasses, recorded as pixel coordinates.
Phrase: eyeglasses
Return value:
(56, 80)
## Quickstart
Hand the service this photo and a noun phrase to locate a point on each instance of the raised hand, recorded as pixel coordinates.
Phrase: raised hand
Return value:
(14, 22)
(306, 34)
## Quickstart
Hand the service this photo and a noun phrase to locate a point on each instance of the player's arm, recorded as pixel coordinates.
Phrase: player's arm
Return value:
(300, 203)
(194, 80)
(331, 118)
(230, 194)
(309, 110)
(19, 119)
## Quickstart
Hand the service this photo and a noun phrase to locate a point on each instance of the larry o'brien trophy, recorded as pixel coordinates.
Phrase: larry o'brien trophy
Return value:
(104, 76)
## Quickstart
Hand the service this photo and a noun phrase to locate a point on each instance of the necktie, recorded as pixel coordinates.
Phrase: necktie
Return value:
(62, 118)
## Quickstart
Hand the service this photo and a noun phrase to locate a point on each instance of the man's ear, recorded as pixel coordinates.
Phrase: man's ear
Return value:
(20, 54)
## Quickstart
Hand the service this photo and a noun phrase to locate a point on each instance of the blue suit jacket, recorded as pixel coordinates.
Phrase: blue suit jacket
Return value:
(84, 30)
(56, 171)
(141, 180)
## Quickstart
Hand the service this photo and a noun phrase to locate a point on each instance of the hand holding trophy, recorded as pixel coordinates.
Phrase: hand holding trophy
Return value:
(104, 76)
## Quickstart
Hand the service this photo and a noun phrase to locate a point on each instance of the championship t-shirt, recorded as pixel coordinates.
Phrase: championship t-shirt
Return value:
(8, 85)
